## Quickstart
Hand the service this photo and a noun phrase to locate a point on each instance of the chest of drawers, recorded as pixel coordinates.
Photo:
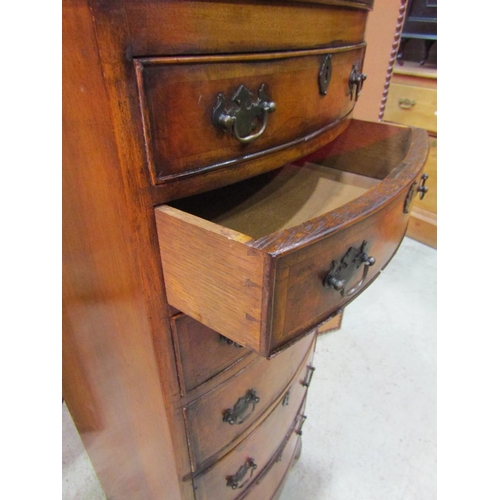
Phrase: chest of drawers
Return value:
(412, 100)
(220, 204)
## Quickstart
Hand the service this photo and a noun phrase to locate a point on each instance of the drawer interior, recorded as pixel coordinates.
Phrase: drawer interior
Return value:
(303, 190)
(278, 200)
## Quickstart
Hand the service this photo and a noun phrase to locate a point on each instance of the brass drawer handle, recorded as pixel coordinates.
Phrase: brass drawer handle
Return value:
(234, 481)
(422, 189)
(341, 272)
(356, 80)
(242, 117)
(243, 408)
(299, 430)
(286, 398)
(225, 340)
(406, 103)
(309, 376)
(325, 74)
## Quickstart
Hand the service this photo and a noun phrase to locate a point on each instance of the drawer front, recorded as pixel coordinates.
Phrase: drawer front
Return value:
(209, 27)
(218, 418)
(301, 298)
(265, 291)
(261, 446)
(206, 113)
(269, 484)
(411, 105)
(202, 353)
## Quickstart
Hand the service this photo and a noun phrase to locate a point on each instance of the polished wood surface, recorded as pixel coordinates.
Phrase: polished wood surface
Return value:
(300, 297)
(179, 95)
(204, 270)
(209, 435)
(209, 27)
(211, 179)
(301, 235)
(114, 375)
(261, 446)
(396, 38)
(272, 480)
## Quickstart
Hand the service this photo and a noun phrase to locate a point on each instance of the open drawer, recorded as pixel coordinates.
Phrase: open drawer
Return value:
(266, 260)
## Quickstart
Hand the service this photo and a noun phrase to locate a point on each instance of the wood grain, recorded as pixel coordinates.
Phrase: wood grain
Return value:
(112, 288)
(270, 483)
(209, 27)
(142, 395)
(281, 199)
(212, 276)
(423, 227)
(299, 292)
(397, 181)
(212, 179)
(179, 94)
(261, 445)
(286, 266)
(210, 435)
(201, 353)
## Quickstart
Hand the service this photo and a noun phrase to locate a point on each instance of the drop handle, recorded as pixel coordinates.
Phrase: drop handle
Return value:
(241, 118)
(422, 189)
(234, 481)
(343, 270)
(242, 409)
(299, 430)
(225, 340)
(406, 103)
(286, 398)
(412, 192)
(309, 375)
(356, 81)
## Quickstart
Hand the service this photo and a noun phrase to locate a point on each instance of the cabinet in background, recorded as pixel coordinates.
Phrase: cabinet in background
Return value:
(412, 100)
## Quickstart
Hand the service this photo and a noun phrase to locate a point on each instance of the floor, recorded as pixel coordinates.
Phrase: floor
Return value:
(371, 427)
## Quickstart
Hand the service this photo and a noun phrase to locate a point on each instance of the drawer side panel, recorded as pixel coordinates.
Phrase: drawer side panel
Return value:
(212, 276)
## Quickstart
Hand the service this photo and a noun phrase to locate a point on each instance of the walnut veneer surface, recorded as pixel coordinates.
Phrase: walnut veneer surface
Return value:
(190, 326)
